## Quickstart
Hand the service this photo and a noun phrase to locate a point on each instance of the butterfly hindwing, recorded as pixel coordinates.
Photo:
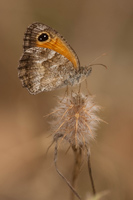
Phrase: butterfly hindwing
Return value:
(42, 69)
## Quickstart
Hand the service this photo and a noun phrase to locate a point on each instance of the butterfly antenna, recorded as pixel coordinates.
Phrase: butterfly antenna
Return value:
(98, 64)
(93, 64)
(104, 54)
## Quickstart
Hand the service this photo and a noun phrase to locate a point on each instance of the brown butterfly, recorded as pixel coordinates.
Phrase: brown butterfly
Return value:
(48, 61)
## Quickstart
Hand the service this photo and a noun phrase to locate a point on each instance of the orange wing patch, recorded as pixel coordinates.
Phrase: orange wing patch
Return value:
(57, 44)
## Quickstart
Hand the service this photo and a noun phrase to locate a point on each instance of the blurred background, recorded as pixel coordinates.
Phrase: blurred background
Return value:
(92, 28)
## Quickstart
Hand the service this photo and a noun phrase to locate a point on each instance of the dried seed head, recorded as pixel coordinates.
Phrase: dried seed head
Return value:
(75, 119)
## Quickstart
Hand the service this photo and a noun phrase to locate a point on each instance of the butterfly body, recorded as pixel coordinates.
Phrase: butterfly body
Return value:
(48, 61)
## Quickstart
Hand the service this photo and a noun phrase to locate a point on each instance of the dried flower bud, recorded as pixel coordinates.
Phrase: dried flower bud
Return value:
(75, 119)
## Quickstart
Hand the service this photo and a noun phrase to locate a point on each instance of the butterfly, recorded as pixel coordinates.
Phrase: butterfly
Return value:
(48, 61)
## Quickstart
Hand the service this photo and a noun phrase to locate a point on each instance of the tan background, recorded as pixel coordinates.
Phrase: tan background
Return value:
(92, 28)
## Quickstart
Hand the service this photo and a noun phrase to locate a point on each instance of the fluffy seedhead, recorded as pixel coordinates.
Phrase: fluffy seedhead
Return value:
(75, 120)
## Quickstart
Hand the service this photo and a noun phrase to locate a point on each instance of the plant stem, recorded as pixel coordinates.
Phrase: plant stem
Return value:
(90, 173)
(62, 176)
(76, 169)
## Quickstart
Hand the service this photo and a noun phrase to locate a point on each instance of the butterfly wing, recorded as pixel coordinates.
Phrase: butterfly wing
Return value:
(42, 69)
(55, 41)
(31, 33)
(48, 64)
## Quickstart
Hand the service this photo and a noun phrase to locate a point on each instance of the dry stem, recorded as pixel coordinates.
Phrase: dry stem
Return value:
(63, 177)
(77, 165)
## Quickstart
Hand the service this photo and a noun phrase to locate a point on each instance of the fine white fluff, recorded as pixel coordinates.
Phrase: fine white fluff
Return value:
(75, 119)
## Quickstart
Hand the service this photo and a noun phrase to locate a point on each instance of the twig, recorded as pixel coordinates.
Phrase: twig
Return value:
(90, 172)
(77, 165)
(63, 177)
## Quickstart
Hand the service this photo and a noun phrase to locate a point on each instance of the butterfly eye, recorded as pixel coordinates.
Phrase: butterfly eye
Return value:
(43, 37)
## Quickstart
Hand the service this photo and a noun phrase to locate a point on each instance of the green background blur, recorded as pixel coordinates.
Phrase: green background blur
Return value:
(92, 28)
